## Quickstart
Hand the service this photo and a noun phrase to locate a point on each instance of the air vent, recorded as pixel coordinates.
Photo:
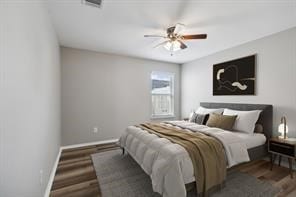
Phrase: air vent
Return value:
(94, 3)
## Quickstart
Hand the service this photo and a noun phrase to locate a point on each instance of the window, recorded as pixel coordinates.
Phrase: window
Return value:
(162, 94)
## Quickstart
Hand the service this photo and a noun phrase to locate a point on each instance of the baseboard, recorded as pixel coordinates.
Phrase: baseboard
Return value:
(53, 171)
(89, 144)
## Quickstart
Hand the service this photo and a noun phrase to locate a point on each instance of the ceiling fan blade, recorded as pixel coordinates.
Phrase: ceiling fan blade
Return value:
(182, 46)
(196, 36)
(162, 43)
(155, 36)
(178, 28)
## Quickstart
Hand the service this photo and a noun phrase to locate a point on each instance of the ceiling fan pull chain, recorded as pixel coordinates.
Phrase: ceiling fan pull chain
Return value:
(172, 49)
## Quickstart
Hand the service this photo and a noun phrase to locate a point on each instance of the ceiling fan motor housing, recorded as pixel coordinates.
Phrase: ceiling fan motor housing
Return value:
(170, 31)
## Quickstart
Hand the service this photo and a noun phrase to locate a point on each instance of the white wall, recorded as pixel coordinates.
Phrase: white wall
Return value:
(29, 98)
(275, 76)
(106, 91)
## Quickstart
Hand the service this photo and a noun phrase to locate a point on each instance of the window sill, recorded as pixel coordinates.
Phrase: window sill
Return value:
(162, 117)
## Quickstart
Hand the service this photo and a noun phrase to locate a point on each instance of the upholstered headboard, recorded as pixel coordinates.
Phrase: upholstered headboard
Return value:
(265, 118)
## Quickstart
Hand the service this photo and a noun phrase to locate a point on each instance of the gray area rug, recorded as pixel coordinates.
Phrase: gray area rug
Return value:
(121, 176)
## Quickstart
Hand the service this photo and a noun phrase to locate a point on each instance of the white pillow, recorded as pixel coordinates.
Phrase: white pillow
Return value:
(245, 121)
(202, 110)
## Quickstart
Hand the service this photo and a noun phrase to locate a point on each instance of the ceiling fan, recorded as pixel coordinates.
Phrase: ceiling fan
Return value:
(174, 38)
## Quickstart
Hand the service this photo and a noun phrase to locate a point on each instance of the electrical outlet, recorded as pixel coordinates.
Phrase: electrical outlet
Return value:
(41, 177)
(95, 130)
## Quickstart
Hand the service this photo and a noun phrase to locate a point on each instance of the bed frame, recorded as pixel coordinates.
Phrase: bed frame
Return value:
(265, 119)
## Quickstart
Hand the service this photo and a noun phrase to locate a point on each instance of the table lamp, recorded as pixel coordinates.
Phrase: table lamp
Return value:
(283, 128)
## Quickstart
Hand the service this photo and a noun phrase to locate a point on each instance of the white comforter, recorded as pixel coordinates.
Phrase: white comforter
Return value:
(169, 164)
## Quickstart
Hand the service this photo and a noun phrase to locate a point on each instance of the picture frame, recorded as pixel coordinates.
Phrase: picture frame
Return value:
(235, 77)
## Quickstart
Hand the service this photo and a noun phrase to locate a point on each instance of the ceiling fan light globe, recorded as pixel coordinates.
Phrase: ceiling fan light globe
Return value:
(173, 46)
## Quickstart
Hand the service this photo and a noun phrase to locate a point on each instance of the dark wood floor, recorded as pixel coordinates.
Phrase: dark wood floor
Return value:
(278, 177)
(76, 177)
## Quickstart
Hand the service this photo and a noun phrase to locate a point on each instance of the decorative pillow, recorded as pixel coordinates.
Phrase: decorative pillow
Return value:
(202, 110)
(202, 119)
(245, 121)
(221, 121)
(199, 118)
(258, 128)
(192, 117)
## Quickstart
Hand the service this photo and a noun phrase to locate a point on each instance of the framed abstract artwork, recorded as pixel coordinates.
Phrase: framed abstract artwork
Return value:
(235, 77)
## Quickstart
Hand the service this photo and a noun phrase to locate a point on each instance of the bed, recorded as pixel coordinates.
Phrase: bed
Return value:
(265, 119)
(170, 166)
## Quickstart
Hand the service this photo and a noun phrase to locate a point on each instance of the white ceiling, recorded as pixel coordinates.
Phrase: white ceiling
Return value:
(118, 27)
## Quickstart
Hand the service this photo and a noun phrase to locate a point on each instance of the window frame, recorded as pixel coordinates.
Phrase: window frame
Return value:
(172, 95)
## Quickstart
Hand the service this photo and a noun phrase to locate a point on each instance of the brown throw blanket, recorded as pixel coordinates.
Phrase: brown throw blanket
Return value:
(207, 154)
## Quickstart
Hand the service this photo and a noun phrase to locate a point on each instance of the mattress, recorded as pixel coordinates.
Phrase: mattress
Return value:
(254, 140)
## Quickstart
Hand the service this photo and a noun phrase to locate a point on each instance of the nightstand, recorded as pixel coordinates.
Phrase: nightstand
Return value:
(282, 148)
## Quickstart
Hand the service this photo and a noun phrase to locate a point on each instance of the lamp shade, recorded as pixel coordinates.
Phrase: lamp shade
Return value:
(282, 128)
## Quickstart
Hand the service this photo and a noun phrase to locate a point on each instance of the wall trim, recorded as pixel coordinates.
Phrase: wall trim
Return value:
(53, 171)
(54, 168)
(89, 144)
